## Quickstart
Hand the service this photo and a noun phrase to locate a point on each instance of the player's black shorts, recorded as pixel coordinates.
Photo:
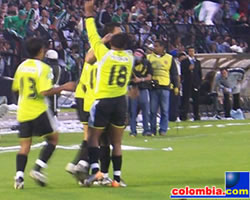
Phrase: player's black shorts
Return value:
(44, 124)
(108, 111)
(82, 115)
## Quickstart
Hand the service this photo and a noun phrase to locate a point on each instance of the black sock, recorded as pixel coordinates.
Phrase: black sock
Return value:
(82, 153)
(45, 155)
(93, 158)
(117, 165)
(105, 158)
(21, 161)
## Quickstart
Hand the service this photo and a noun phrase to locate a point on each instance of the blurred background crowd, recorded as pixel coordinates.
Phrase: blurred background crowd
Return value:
(216, 26)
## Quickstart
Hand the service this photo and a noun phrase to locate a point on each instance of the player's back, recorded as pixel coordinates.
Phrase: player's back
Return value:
(113, 74)
(31, 78)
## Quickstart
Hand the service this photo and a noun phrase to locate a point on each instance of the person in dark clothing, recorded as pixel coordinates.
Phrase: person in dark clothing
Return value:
(207, 95)
(191, 81)
(142, 75)
(105, 16)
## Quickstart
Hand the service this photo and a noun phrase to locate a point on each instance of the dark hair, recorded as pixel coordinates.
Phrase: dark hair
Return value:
(181, 54)
(224, 68)
(109, 28)
(190, 47)
(120, 40)
(161, 43)
(210, 76)
(34, 46)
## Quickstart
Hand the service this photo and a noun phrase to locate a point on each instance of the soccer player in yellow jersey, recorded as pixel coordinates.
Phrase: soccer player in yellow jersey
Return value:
(83, 116)
(85, 98)
(164, 71)
(113, 74)
(33, 82)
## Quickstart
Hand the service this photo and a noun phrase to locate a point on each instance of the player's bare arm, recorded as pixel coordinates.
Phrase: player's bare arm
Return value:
(69, 86)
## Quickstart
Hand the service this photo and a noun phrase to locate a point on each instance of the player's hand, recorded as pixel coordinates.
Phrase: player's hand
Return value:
(89, 7)
(107, 38)
(176, 91)
(133, 92)
(136, 80)
(69, 86)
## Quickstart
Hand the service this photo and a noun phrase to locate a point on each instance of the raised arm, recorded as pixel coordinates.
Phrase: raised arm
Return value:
(95, 41)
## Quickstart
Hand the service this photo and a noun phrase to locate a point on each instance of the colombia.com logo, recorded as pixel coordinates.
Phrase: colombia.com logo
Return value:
(236, 187)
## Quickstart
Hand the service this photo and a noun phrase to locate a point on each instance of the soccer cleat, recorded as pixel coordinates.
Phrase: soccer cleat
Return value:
(119, 184)
(81, 171)
(39, 178)
(92, 178)
(106, 181)
(19, 183)
(70, 168)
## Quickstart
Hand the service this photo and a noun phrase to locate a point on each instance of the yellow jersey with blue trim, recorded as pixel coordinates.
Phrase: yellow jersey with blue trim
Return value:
(114, 67)
(161, 68)
(31, 78)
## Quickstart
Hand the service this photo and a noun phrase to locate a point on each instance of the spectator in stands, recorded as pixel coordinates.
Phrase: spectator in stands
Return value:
(36, 15)
(45, 21)
(12, 9)
(208, 11)
(191, 81)
(17, 24)
(105, 16)
(228, 82)
(117, 17)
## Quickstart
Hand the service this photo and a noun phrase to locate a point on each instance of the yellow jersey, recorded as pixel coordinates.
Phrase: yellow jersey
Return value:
(31, 78)
(161, 68)
(81, 87)
(114, 67)
(86, 86)
(90, 84)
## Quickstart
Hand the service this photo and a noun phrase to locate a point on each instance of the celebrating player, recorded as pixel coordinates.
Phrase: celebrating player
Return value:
(33, 81)
(113, 74)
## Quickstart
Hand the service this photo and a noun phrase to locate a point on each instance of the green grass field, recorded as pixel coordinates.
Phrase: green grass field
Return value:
(200, 157)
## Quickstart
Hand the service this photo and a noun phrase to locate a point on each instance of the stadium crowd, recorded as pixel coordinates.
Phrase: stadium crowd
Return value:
(216, 26)
(209, 26)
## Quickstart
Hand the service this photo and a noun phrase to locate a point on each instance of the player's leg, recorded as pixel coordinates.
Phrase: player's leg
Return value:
(22, 156)
(145, 107)
(116, 140)
(133, 114)
(99, 118)
(82, 154)
(94, 155)
(105, 156)
(81, 162)
(154, 105)
(116, 132)
(45, 127)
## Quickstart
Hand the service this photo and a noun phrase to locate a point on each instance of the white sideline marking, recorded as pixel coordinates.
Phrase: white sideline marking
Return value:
(220, 125)
(74, 126)
(208, 125)
(196, 126)
(72, 147)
